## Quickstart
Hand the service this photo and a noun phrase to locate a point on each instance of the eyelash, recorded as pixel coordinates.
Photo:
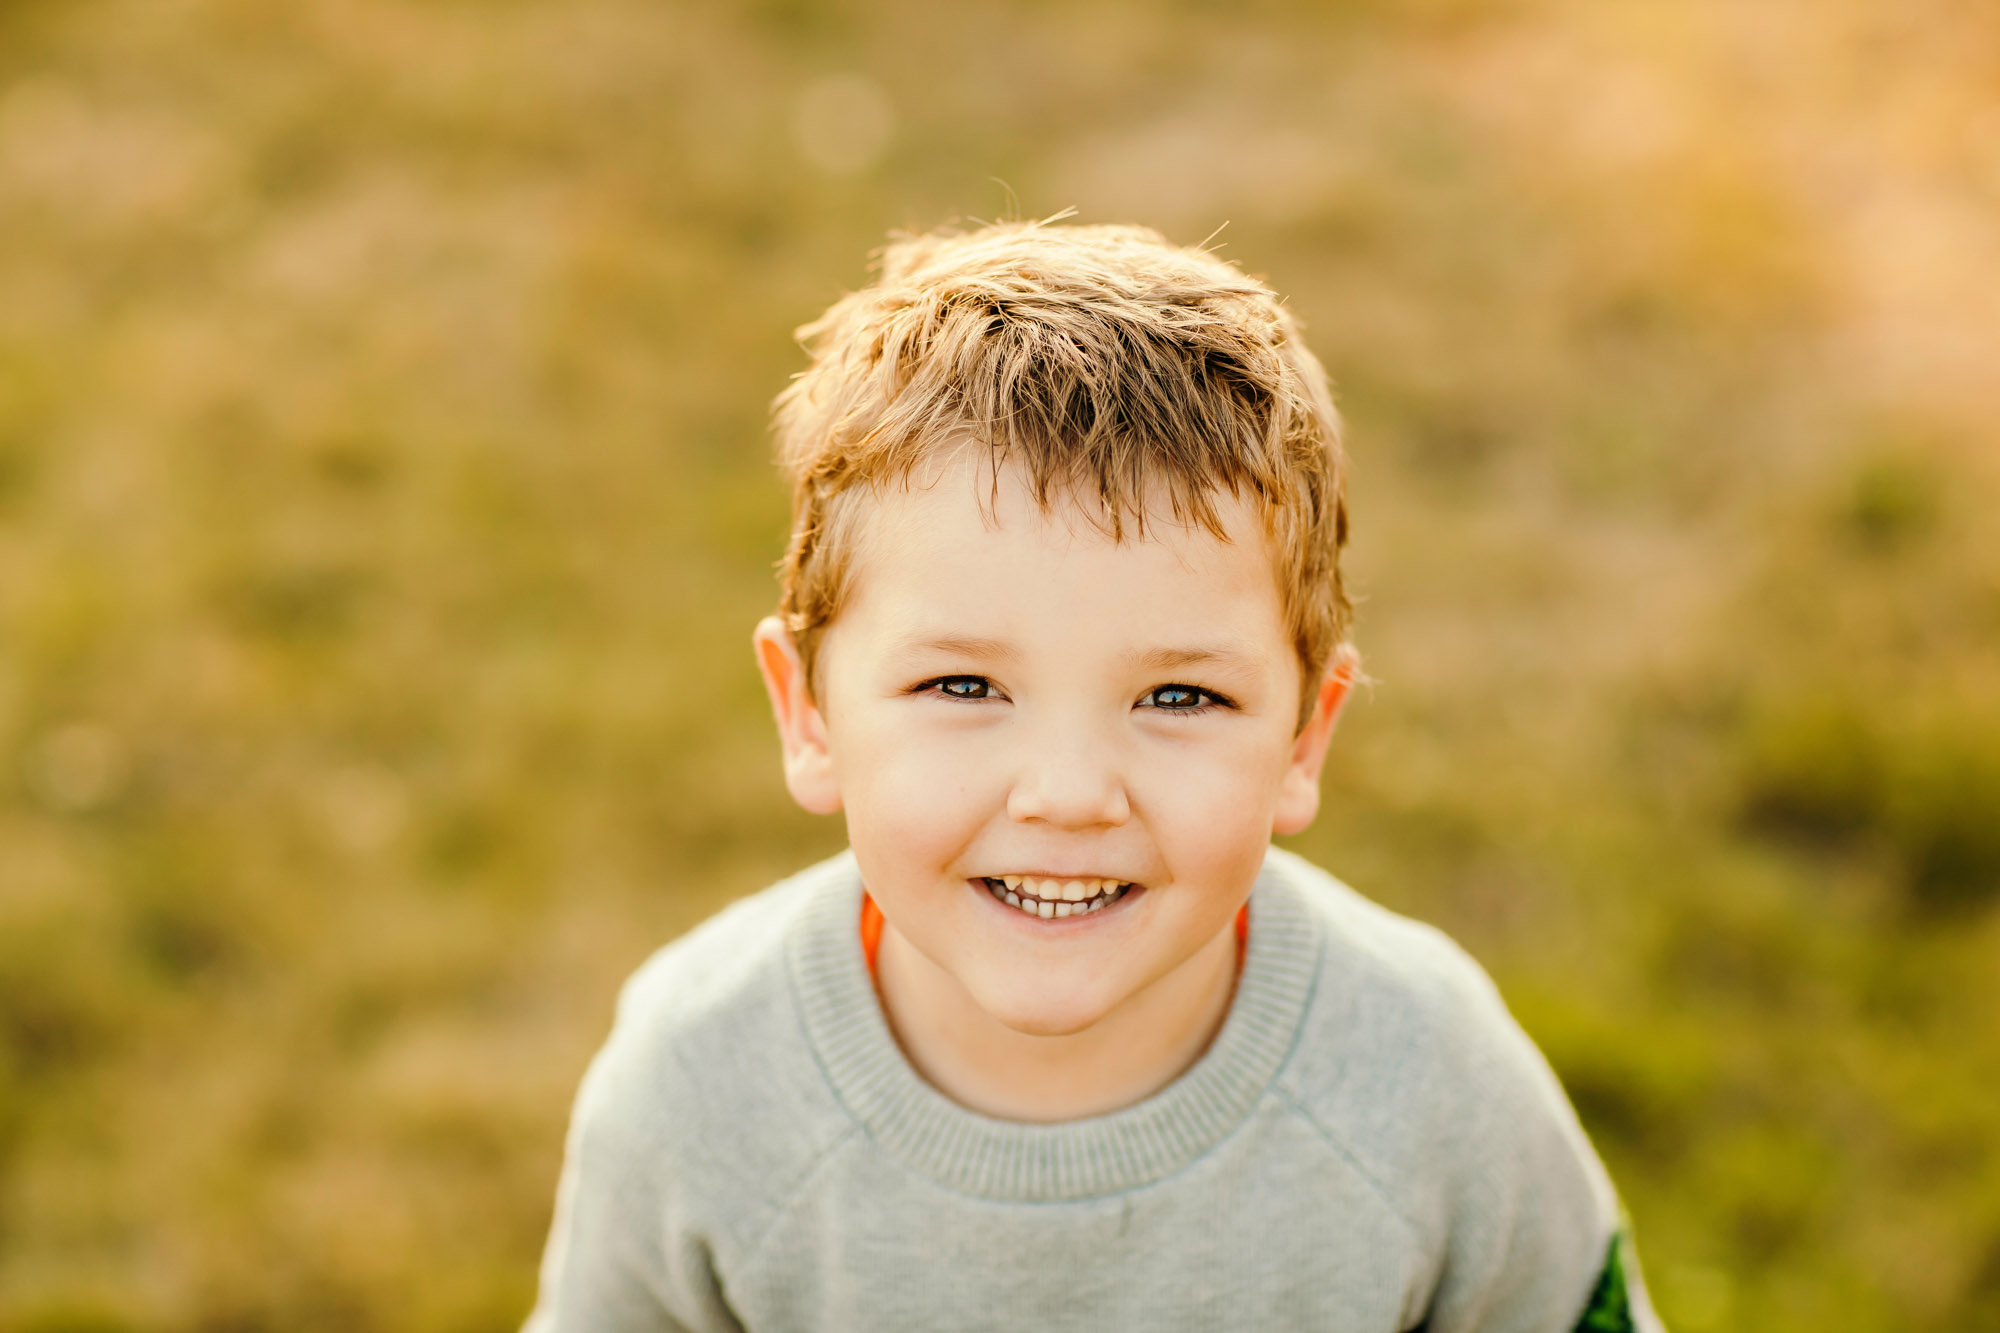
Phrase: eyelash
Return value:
(936, 685)
(1196, 709)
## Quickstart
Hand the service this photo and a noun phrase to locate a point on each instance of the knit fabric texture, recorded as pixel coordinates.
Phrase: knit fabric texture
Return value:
(1370, 1144)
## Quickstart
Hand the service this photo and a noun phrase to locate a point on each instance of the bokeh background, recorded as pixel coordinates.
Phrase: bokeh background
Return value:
(385, 504)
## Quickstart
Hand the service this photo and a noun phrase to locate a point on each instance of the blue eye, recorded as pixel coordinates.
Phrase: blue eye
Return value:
(963, 687)
(1179, 699)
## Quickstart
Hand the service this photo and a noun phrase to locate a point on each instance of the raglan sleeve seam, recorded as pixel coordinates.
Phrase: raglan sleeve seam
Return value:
(1352, 1160)
(782, 1203)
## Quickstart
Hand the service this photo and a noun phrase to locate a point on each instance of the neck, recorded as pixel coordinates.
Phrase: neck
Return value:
(1132, 1052)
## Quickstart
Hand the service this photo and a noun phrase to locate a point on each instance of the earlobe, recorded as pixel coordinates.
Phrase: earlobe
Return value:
(809, 772)
(1298, 793)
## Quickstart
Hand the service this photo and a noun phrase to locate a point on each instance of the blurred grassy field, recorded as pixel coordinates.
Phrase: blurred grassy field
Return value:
(385, 505)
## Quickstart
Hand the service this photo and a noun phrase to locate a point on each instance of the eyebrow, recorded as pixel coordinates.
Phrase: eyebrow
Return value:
(959, 645)
(1155, 659)
(1170, 659)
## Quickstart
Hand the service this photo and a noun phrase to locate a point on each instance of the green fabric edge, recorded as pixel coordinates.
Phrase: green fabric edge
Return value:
(1610, 1306)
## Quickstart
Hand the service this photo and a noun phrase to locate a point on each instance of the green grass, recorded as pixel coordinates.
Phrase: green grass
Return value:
(385, 505)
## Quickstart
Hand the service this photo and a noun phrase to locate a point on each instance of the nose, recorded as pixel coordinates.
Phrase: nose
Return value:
(1069, 782)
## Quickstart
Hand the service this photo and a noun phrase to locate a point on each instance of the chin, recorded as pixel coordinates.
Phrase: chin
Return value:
(1049, 1024)
(1042, 1015)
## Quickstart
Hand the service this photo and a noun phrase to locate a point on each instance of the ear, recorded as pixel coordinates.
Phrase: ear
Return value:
(1298, 793)
(801, 729)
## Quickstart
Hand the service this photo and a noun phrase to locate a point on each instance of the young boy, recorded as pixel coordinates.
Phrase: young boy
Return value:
(1062, 1042)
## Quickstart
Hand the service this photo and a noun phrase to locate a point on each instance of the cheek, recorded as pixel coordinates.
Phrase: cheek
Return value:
(1214, 807)
(907, 797)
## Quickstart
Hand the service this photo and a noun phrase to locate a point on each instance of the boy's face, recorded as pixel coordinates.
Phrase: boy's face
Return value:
(1008, 695)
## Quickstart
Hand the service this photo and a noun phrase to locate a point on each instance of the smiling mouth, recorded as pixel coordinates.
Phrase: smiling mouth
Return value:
(1050, 899)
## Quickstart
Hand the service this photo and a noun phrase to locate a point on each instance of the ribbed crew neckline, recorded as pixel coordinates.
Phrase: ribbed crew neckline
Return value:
(1011, 1160)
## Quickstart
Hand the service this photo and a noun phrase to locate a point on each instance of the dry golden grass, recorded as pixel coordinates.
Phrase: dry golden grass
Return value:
(384, 506)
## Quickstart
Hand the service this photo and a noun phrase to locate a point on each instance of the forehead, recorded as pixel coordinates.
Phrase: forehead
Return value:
(967, 545)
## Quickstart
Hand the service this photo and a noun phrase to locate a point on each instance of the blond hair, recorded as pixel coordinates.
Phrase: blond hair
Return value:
(1104, 362)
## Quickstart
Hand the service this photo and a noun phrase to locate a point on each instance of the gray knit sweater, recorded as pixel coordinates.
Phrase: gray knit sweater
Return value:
(1370, 1144)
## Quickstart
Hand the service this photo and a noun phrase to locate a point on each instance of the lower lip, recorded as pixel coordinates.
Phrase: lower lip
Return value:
(1056, 922)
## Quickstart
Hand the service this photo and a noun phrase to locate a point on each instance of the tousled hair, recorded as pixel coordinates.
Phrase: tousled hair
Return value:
(1104, 362)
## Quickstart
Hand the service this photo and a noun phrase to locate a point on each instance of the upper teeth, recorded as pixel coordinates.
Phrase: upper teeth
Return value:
(1048, 898)
(1059, 890)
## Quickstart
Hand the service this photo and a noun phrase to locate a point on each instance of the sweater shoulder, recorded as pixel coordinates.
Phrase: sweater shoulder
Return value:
(705, 977)
(1391, 985)
(707, 1086)
(1410, 1065)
